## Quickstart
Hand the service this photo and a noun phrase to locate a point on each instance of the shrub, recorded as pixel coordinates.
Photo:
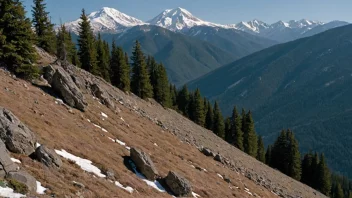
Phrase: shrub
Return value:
(18, 187)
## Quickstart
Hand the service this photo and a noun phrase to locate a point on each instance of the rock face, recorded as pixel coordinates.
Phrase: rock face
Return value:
(178, 185)
(48, 157)
(17, 137)
(144, 164)
(24, 178)
(6, 164)
(63, 84)
(103, 96)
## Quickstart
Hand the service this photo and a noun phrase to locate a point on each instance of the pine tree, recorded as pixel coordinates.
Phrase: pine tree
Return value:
(198, 108)
(324, 177)
(243, 120)
(261, 150)
(44, 29)
(315, 171)
(66, 49)
(183, 100)
(294, 163)
(16, 49)
(102, 59)
(153, 72)
(228, 135)
(86, 42)
(173, 96)
(249, 136)
(140, 82)
(119, 69)
(209, 118)
(236, 129)
(307, 172)
(338, 192)
(73, 53)
(268, 155)
(161, 87)
(219, 128)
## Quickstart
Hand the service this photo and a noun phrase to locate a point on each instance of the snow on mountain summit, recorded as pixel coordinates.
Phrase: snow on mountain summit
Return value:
(179, 19)
(107, 20)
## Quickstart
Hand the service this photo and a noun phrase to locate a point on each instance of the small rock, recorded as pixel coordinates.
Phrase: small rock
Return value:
(110, 174)
(144, 164)
(24, 178)
(77, 184)
(48, 157)
(208, 152)
(178, 185)
(218, 158)
(227, 179)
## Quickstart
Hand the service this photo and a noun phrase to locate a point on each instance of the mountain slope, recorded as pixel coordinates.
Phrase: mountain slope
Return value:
(106, 20)
(303, 85)
(132, 122)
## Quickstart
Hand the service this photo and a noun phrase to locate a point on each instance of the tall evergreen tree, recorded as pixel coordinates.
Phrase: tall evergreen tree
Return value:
(294, 163)
(173, 96)
(87, 48)
(236, 129)
(324, 177)
(140, 82)
(119, 70)
(268, 160)
(209, 118)
(249, 136)
(161, 87)
(228, 135)
(338, 192)
(219, 127)
(307, 171)
(16, 36)
(102, 59)
(261, 150)
(44, 29)
(153, 72)
(243, 120)
(73, 53)
(183, 100)
(198, 108)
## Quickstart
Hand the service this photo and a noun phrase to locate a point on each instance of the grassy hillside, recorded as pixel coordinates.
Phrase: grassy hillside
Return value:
(303, 85)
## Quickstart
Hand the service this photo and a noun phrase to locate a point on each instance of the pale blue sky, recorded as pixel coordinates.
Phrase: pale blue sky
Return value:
(218, 11)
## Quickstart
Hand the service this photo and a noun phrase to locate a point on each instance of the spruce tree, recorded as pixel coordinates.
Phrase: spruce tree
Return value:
(153, 73)
(44, 29)
(87, 48)
(261, 150)
(16, 49)
(243, 120)
(161, 87)
(219, 127)
(209, 118)
(268, 157)
(307, 172)
(324, 177)
(198, 108)
(228, 135)
(102, 59)
(140, 82)
(119, 68)
(65, 48)
(294, 163)
(249, 136)
(173, 97)
(338, 192)
(73, 53)
(236, 129)
(183, 100)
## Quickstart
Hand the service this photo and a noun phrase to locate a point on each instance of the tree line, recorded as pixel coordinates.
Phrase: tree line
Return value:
(145, 77)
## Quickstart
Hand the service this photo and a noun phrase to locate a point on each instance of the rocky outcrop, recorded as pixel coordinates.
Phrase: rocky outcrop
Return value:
(48, 157)
(102, 95)
(6, 164)
(144, 164)
(24, 178)
(17, 137)
(63, 84)
(179, 185)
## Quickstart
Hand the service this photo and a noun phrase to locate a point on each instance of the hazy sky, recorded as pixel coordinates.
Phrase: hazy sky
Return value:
(218, 11)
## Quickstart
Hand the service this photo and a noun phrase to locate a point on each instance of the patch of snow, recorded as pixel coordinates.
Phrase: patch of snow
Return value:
(120, 142)
(155, 144)
(88, 120)
(104, 115)
(16, 160)
(154, 184)
(220, 176)
(192, 166)
(59, 101)
(112, 139)
(97, 126)
(8, 192)
(104, 130)
(122, 119)
(127, 188)
(85, 164)
(329, 83)
(195, 195)
(40, 189)
(37, 145)
(236, 83)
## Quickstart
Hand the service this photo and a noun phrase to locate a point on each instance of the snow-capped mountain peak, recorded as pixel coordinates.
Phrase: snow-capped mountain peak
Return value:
(179, 19)
(107, 20)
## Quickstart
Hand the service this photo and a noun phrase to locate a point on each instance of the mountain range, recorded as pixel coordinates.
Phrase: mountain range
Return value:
(304, 85)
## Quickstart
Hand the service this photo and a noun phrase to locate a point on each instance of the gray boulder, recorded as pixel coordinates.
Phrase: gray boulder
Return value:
(179, 185)
(24, 178)
(144, 164)
(63, 84)
(102, 95)
(6, 164)
(48, 157)
(208, 152)
(218, 158)
(17, 137)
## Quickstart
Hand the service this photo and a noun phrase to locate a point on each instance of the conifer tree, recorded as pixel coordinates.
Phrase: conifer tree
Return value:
(102, 59)
(315, 171)
(87, 48)
(324, 177)
(307, 172)
(73, 53)
(153, 72)
(16, 36)
(249, 136)
(228, 135)
(209, 119)
(294, 163)
(338, 192)
(173, 96)
(243, 120)
(236, 130)
(120, 71)
(66, 49)
(261, 150)
(198, 108)
(268, 158)
(219, 127)
(183, 100)
(140, 82)
(161, 87)
(44, 29)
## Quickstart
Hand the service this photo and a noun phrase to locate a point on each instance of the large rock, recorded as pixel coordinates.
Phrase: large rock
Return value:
(24, 178)
(102, 95)
(179, 185)
(17, 137)
(48, 157)
(6, 164)
(63, 84)
(144, 164)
